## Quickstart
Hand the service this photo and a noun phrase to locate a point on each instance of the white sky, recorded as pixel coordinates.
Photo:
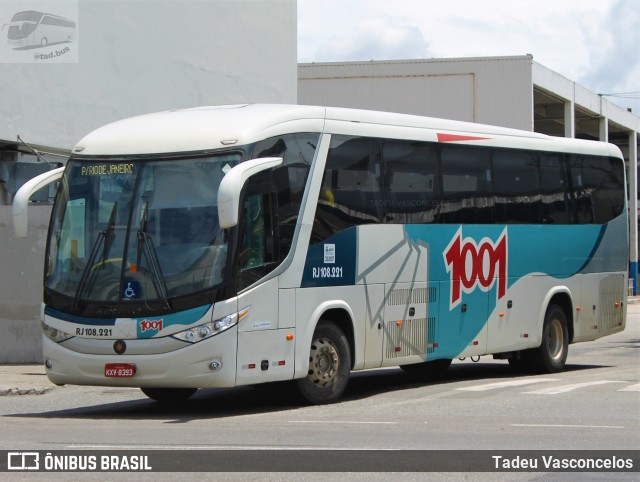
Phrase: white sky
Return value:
(593, 42)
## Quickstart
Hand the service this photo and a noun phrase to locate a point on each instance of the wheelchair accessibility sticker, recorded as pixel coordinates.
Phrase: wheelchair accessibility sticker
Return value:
(131, 290)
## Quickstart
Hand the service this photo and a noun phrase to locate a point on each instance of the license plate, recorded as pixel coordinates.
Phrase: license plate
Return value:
(119, 370)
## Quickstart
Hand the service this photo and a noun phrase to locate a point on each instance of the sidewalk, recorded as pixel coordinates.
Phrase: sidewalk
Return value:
(24, 380)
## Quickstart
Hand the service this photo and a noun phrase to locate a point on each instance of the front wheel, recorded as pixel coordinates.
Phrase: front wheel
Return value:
(329, 365)
(169, 395)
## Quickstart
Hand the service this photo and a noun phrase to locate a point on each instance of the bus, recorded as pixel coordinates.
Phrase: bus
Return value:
(32, 29)
(237, 245)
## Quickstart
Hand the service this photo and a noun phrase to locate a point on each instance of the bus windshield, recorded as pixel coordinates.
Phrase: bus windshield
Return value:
(23, 24)
(144, 231)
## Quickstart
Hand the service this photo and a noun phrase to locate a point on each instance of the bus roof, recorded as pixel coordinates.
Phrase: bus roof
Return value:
(215, 127)
(33, 16)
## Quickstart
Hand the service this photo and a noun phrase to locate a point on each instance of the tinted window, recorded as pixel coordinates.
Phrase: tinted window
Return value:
(517, 187)
(297, 151)
(258, 250)
(554, 180)
(57, 21)
(28, 16)
(293, 148)
(466, 186)
(21, 31)
(350, 192)
(597, 188)
(272, 201)
(411, 183)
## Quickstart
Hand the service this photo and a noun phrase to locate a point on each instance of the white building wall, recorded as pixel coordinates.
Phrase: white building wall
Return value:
(570, 91)
(493, 90)
(134, 57)
(137, 57)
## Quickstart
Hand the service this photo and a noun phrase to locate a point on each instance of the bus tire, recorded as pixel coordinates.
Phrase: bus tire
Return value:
(44, 42)
(169, 395)
(329, 365)
(551, 355)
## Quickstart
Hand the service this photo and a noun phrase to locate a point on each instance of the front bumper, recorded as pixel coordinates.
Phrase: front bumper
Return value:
(188, 367)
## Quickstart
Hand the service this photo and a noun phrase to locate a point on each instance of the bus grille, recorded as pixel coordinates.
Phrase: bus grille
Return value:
(408, 338)
(611, 298)
(399, 297)
(415, 295)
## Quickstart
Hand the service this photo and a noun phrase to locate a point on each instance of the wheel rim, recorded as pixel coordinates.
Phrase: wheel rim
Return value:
(323, 362)
(555, 339)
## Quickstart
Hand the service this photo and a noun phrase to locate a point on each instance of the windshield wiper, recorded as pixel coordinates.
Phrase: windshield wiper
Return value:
(105, 237)
(146, 246)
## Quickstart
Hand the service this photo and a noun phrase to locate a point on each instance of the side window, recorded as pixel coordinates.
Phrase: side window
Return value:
(554, 182)
(598, 188)
(517, 187)
(289, 180)
(293, 148)
(466, 186)
(258, 247)
(411, 182)
(350, 193)
(272, 205)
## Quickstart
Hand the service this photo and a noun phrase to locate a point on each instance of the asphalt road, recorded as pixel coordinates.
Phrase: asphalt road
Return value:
(593, 405)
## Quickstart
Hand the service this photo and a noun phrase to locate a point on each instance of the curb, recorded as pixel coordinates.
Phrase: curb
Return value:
(24, 391)
(24, 379)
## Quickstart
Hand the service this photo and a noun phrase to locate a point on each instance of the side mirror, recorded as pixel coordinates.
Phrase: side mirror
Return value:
(21, 199)
(231, 187)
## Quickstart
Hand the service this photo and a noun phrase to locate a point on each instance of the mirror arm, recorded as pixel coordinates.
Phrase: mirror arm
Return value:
(21, 199)
(231, 187)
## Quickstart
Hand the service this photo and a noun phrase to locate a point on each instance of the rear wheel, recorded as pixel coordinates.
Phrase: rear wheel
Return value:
(551, 355)
(169, 395)
(329, 365)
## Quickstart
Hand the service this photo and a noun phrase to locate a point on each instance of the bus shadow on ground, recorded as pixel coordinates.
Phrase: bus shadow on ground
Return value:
(34, 47)
(281, 396)
(370, 383)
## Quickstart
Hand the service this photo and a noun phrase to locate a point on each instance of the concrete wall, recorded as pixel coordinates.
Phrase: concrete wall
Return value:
(142, 56)
(21, 269)
(133, 57)
(493, 91)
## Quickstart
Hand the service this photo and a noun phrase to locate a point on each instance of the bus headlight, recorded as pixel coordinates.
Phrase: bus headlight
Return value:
(207, 330)
(54, 334)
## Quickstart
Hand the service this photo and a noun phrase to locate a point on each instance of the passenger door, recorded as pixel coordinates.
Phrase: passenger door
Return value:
(265, 352)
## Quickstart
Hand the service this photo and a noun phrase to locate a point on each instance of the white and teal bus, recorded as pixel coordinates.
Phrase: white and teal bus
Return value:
(236, 245)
